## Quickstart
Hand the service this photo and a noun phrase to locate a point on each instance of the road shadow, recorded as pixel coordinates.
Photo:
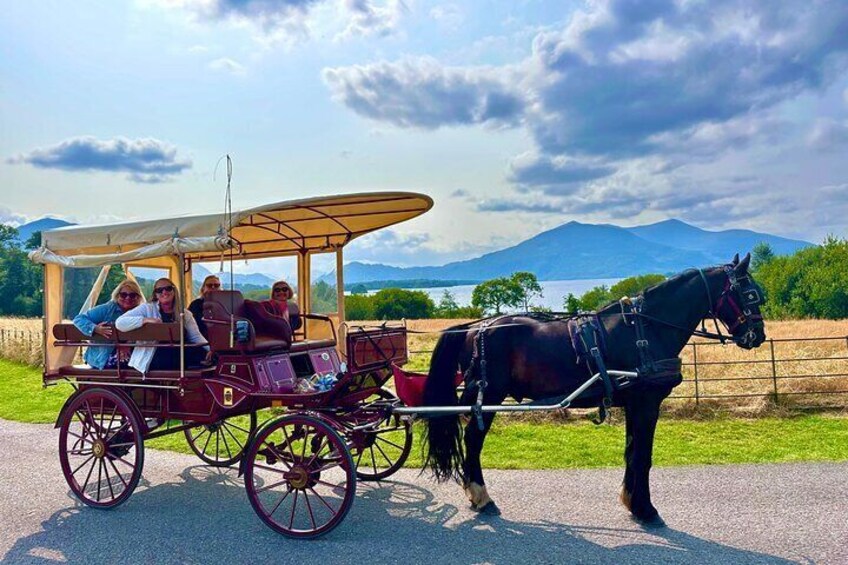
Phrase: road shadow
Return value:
(207, 519)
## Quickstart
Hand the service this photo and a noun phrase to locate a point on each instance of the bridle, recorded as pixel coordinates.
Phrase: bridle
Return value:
(733, 307)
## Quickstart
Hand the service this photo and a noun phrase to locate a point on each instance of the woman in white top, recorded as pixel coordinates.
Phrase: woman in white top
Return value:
(162, 308)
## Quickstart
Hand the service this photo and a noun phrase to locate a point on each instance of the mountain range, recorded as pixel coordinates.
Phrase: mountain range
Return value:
(571, 251)
(588, 251)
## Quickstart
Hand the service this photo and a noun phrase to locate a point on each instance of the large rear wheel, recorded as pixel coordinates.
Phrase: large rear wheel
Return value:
(222, 443)
(299, 476)
(101, 447)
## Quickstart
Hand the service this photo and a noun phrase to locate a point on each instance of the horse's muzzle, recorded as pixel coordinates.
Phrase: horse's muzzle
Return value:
(751, 337)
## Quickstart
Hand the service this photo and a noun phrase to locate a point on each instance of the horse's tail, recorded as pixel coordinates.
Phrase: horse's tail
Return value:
(445, 454)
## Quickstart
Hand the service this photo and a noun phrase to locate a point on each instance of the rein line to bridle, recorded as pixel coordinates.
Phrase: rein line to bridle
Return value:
(717, 335)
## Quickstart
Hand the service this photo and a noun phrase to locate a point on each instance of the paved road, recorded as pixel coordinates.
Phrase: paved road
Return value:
(189, 513)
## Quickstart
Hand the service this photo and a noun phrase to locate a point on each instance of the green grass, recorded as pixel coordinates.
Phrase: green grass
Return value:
(520, 445)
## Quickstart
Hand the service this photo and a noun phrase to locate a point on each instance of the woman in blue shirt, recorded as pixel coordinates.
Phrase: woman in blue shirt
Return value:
(99, 321)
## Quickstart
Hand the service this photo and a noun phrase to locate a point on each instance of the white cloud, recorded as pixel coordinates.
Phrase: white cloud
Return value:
(227, 65)
(368, 18)
(828, 135)
(421, 93)
(449, 16)
(11, 218)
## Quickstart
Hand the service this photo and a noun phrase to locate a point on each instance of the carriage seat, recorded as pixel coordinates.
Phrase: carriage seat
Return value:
(266, 333)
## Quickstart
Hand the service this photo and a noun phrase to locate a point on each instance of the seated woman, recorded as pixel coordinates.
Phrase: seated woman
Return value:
(210, 283)
(278, 304)
(163, 308)
(98, 321)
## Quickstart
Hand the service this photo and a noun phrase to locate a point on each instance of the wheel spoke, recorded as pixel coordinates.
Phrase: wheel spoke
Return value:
(114, 468)
(266, 468)
(79, 452)
(99, 477)
(317, 452)
(294, 509)
(108, 478)
(389, 442)
(309, 508)
(90, 470)
(226, 445)
(386, 457)
(227, 428)
(373, 459)
(205, 445)
(285, 496)
(321, 498)
(269, 487)
(116, 458)
(74, 472)
(93, 419)
(239, 428)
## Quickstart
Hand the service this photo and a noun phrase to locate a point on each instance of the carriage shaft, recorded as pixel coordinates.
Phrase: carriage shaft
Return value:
(526, 407)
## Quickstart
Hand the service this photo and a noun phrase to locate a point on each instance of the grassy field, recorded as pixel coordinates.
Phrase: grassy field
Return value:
(546, 445)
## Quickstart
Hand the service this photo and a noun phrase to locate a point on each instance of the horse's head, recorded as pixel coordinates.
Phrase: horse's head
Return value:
(738, 306)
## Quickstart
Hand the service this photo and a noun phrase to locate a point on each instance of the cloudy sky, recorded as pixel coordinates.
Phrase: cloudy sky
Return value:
(514, 116)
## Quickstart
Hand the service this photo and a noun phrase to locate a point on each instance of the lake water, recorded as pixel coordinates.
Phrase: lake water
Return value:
(553, 292)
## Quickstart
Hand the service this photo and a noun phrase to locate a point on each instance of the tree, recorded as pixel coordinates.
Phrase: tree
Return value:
(760, 255)
(396, 303)
(633, 286)
(447, 305)
(495, 294)
(595, 298)
(529, 285)
(359, 289)
(359, 307)
(571, 303)
(324, 298)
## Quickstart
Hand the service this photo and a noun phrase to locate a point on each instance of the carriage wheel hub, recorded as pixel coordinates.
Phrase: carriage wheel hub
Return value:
(298, 477)
(99, 449)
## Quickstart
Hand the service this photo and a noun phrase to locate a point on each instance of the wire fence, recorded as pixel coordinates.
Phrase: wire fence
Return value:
(812, 371)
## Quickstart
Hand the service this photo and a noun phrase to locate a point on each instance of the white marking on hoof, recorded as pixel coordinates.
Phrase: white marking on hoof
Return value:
(478, 495)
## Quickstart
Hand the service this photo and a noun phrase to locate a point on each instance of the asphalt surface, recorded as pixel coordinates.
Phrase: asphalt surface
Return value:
(185, 512)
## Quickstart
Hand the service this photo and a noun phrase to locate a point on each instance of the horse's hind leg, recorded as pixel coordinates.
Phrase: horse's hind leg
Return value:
(641, 413)
(475, 488)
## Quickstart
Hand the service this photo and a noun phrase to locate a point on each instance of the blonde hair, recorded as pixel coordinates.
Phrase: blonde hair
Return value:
(130, 284)
(291, 290)
(155, 297)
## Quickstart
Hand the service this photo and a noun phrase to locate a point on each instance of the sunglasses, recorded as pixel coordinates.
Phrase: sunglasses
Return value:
(213, 285)
(128, 295)
(162, 289)
(282, 289)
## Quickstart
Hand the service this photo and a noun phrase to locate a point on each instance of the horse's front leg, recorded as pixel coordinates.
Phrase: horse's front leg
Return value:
(475, 487)
(641, 413)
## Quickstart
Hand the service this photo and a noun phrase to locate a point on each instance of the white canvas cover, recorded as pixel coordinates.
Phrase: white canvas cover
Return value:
(285, 228)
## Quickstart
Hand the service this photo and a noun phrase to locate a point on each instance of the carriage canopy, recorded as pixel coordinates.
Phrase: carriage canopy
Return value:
(296, 227)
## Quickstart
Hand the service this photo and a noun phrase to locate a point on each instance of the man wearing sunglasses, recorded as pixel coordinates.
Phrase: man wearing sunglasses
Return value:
(210, 283)
(98, 323)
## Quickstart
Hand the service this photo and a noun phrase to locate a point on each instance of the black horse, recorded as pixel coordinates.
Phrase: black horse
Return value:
(528, 357)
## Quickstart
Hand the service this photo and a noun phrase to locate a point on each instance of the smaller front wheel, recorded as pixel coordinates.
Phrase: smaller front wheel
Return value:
(222, 443)
(299, 476)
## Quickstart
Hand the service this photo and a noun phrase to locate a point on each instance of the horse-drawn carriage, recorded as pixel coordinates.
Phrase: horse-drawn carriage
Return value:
(301, 465)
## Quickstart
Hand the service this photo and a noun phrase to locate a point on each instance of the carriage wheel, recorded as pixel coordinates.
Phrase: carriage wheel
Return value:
(222, 443)
(380, 451)
(299, 476)
(101, 448)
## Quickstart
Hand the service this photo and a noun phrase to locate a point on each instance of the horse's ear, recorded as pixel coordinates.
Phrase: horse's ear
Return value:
(735, 260)
(742, 266)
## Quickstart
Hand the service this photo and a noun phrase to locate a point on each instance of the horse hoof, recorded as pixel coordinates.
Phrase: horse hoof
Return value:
(489, 509)
(652, 523)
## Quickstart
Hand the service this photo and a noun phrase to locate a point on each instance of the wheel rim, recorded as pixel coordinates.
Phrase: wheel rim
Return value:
(380, 451)
(222, 443)
(299, 477)
(101, 448)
